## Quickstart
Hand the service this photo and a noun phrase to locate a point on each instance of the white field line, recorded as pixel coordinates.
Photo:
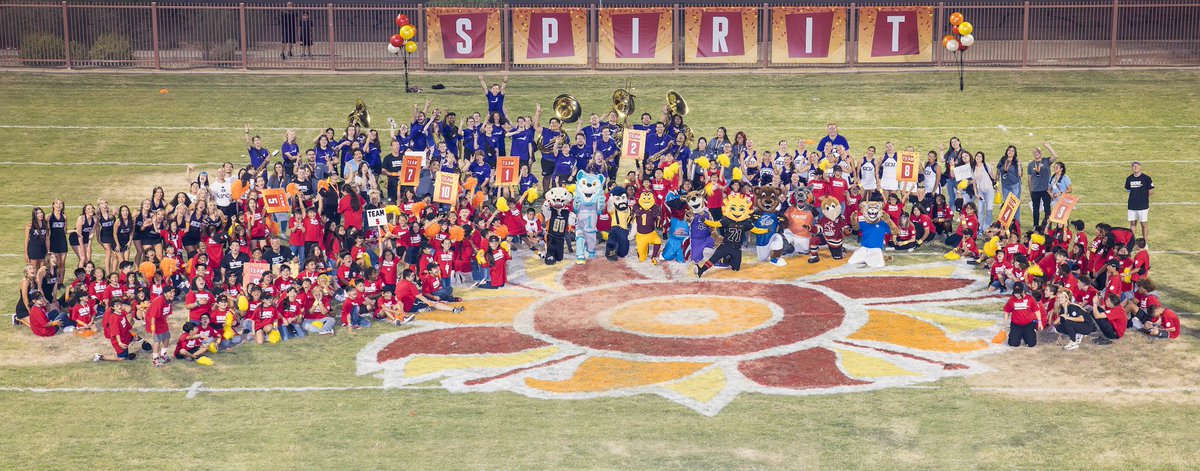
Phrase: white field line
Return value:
(999, 127)
(197, 388)
(1114, 203)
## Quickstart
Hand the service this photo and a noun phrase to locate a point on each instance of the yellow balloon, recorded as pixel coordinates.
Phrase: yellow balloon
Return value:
(243, 303)
(965, 28)
(411, 47)
(407, 32)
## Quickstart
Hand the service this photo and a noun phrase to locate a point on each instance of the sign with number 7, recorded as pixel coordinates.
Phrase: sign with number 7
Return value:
(410, 168)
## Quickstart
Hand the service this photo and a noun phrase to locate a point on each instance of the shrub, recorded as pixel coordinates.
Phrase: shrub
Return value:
(37, 48)
(112, 47)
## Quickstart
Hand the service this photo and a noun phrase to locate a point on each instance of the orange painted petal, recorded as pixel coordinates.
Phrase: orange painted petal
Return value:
(606, 374)
(892, 286)
(898, 329)
(481, 312)
(796, 267)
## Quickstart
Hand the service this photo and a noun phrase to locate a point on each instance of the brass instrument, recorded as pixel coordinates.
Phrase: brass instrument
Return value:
(548, 147)
(567, 109)
(622, 103)
(676, 106)
(360, 116)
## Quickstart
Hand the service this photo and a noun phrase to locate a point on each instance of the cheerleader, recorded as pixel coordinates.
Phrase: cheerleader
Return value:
(58, 236)
(37, 239)
(123, 230)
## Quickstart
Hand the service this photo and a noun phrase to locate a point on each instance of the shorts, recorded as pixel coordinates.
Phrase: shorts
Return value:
(889, 185)
(1139, 215)
(123, 354)
(163, 337)
(419, 306)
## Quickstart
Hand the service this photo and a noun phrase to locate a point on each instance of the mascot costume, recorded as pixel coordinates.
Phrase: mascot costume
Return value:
(769, 244)
(558, 219)
(731, 231)
(874, 226)
(677, 230)
(618, 234)
(646, 214)
(700, 238)
(831, 229)
(589, 203)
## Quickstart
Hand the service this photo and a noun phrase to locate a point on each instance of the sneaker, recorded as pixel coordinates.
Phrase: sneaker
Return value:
(456, 299)
(814, 259)
(1072, 345)
(14, 320)
(97, 358)
(157, 362)
(779, 262)
(425, 309)
(324, 331)
(654, 261)
(408, 318)
(1102, 341)
(457, 310)
(130, 357)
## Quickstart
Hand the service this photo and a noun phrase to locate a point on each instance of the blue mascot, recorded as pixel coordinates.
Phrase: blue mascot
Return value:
(589, 202)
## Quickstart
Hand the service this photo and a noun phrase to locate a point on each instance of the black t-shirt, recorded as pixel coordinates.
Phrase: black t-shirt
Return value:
(735, 231)
(392, 163)
(307, 187)
(1139, 191)
(281, 257)
(230, 264)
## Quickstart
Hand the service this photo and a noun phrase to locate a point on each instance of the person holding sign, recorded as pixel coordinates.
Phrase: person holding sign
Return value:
(1060, 183)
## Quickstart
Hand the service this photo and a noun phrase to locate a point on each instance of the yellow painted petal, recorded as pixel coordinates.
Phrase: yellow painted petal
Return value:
(702, 387)
(426, 364)
(863, 366)
(545, 276)
(510, 290)
(953, 324)
(483, 311)
(606, 374)
(796, 267)
(898, 329)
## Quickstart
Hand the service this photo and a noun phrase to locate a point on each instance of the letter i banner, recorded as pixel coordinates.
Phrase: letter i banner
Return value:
(808, 35)
(635, 36)
(550, 36)
(463, 35)
(724, 35)
(895, 34)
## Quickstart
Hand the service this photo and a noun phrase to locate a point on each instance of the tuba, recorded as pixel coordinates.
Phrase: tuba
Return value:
(622, 104)
(567, 109)
(360, 116)
(676, 106)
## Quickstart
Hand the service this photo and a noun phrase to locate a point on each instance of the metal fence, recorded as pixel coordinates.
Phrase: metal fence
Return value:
(351, 37)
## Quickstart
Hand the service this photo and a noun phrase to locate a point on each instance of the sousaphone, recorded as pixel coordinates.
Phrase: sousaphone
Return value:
(676, 106)
(360, 116)
(567, 109)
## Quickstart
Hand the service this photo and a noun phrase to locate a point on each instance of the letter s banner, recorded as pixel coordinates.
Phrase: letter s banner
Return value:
(463, 35)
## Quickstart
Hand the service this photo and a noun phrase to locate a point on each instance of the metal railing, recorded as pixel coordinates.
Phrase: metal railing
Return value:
(352, 37)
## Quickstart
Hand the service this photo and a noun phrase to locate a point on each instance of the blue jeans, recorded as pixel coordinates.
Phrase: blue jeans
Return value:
(951, 193)
(445, 293)
(1015, 189)
(286, 331)
(326, 325)
(356, 318)
(298, 250)
(478, 273)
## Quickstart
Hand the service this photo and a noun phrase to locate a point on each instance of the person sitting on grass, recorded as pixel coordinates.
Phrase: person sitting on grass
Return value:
(1022, 314)
(413, 302)
(1163, 323)
(191, 344)
(1110, 316)
(265, 317)
(353, 308)
(1072, 320)
(118, 327)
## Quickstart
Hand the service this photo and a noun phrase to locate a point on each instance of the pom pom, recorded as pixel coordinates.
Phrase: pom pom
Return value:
(205, 361)
(432, 230)
(502, 232)
(671, 170)
(810, 142)
(212, 348)
(1038, 239)
(709, 188)
(506, 246)
(470, 184)
(228, 331)
(418, 208)
(292, 190)
(478, 199)
(1036, 271)
(531, 194)
(243, 304)
(479, 257)
(723, 160)
(364, 260)
(502, 204)
(951, 255)
(963, 184)
(238, 189)
(323, 185)
(737, 174)
(318, 324)
(571, 188)
(992, 246)
(274, 337)
(825, 166)
(703, 163)
(391, 209)
(457, 234)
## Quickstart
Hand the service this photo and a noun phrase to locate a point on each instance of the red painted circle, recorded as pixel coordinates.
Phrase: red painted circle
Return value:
(574, 318)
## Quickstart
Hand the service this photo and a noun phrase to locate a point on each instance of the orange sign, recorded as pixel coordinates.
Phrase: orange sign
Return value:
(634, 146)
(275, 200)
(907, 170)
(1009, 210)
(253, 271)
(445, 188)
(410, 168)
(1062, 209)
(727, 35)
(506, 170)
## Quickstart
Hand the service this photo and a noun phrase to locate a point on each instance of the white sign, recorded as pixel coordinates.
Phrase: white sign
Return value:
(963, 172)
(376, 217)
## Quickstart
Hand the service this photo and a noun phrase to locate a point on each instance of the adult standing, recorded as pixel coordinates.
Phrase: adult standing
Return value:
(951, 159)
(985, 189)
(1140, 188)
(1039, 184)
(1010, 176)
(495, 97)
(287, 33)
(832, 137)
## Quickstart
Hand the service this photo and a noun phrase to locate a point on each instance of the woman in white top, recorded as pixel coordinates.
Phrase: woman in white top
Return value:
(985, 189)
(868, 172)
(887, 170)
(222, 190)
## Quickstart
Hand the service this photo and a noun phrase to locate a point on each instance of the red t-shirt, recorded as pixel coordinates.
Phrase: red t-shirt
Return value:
(1118, 318)
(156, 316)
(188, 342)
(38, 320)
(1023, 310)
(387, 271)
(195, 297)
(406, 292)
(1168, 320)
(430, 284)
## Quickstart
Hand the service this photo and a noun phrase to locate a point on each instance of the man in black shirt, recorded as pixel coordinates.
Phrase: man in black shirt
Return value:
(233, 261)
(1140, 188)
(278, 254)
(391, 167)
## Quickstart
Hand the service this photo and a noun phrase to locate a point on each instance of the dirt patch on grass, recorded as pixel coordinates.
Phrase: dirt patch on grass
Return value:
(23, 349)
(132, 188)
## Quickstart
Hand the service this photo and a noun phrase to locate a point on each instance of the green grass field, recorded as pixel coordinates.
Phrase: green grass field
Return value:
(59, 126)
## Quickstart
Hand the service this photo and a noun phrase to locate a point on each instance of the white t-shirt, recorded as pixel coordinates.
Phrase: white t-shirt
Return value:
(888, 178)
(223, 192)
(867, 175)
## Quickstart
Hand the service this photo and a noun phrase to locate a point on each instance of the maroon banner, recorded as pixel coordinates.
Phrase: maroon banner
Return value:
(550, 36)
(462, 36)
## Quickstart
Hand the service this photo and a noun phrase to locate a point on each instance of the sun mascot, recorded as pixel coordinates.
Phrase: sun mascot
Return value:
(874, 226)
(647, 214)
(558, 219)
(589, 203)
(731, 232)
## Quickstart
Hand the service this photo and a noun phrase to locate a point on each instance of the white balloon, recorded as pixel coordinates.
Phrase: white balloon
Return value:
(393, 49)
(952, 45)
(967, 40)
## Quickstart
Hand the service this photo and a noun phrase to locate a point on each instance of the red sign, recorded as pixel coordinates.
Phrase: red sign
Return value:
(1062, 209)
(464, 36)
(808, 34)
(410, 168)
(550, 35)
(275, 200)
(720, 35)
(634, 145)
(507, 170)
(635, 35)
(253, 271)
(896, 34)
(445, 188)
(907, 170)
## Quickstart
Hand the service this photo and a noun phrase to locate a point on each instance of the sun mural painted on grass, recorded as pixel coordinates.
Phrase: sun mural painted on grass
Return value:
(608, 329)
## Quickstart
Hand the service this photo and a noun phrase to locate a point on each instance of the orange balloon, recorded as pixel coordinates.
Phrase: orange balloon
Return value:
(477, 201)
(946, 39)
(956, 18)
(457, 233)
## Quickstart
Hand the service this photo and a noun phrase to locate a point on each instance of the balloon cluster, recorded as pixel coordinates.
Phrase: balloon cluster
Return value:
(403, 39)
(962, 38)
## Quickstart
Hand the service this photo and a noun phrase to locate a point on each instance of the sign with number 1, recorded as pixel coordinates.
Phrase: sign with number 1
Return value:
(506, 171)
